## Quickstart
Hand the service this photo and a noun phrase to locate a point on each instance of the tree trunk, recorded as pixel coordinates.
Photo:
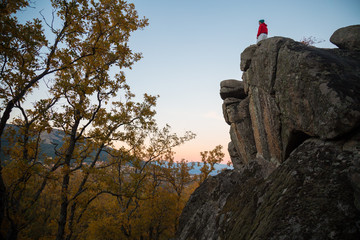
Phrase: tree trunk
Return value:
(64, 206)
(13, 233)
(2, 199)
(4, 118)
(66, 178)
(3, 121)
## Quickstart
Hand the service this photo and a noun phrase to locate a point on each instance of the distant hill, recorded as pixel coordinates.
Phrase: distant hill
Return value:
(218, 168)
(50, 141)
(55, 138)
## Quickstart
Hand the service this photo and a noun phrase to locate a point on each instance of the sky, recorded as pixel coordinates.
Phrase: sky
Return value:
(190, 46)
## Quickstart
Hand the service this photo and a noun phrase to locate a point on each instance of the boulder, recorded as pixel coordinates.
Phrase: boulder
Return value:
(241, 132)
(295, 146)
(199, 217)
(228, 103)
(308, 196)
(294, 92)
(235, 157)
(246, 57)
(232, 89)
(347, 38)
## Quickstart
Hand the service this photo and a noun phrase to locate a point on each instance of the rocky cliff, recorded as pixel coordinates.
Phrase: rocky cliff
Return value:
(295, 146)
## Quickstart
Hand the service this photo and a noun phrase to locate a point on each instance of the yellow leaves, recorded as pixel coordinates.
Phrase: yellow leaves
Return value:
(209, 159)
(155, 213)
(128, 195)
(100, 30)
(9, 7)
(103, 229)
(20, 46)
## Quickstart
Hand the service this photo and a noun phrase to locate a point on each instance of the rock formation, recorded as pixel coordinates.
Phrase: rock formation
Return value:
(295, 146)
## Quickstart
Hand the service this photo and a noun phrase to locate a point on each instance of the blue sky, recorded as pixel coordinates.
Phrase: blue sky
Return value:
(190, 46)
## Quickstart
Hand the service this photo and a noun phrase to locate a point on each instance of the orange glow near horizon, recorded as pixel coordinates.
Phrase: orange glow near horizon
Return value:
(191, 151)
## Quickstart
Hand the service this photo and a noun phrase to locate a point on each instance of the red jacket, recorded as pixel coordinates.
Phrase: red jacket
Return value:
(262, 29)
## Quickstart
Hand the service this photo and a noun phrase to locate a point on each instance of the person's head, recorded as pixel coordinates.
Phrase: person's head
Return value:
(261, 21)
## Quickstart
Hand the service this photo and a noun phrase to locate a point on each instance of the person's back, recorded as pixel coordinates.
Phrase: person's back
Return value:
(262, 31)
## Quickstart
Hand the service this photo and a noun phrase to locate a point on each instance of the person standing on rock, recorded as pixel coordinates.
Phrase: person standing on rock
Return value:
(262, 32)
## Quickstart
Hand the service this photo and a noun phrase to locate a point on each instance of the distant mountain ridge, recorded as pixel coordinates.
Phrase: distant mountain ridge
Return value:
(55, 139)
(49, 142)
(218, 168)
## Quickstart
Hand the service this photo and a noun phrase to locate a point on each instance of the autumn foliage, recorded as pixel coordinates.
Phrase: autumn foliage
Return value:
(114, 175)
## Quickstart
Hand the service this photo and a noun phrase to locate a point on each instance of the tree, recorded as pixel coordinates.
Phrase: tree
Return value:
(91, 40)
(91, 104)
(24, 185)
(142, 177)
(209, 159)
(133, 184)
(178, 178)
(17, 50)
